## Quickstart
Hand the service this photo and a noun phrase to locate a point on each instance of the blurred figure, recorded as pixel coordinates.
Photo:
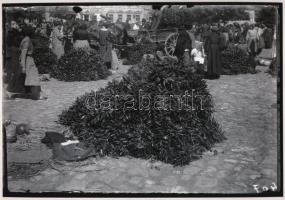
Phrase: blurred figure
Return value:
(237, 33)
(127, 25)
(136, 26)
(183, 46)
(105, 38)
(15, 78)
(28, 66)
(230, 29)
(68, 32)
(268, 37)
(252, 37)
(213, 52)
(205, 32)
(81, 37)
(245, 28)
(260, 30)
(252, 47)
(57, 40)
(198, 56)
(145, 24)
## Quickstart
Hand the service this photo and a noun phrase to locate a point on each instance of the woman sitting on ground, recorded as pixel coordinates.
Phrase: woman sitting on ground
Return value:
(198, 56)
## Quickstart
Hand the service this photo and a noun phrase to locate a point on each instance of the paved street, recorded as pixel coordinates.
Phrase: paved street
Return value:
(243, 107)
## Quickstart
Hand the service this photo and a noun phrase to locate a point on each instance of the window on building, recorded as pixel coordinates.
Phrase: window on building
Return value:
(111, 16)
(129, 17)
(138, 18)
(120, 17)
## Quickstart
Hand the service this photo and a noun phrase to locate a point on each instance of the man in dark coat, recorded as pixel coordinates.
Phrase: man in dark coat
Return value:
(183, 44)
(15, 77)
(213, 51)
(268, 37)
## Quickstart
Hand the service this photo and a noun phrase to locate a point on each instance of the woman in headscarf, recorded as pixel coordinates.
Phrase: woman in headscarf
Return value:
(81, 37)
(205, 32)
(252, 46)
(213, 52)
(68, 32)
(28, 66)
(15, 78)
(57, 40)
(105, 38)
(268, 37)
(183, 45)
(237, 33)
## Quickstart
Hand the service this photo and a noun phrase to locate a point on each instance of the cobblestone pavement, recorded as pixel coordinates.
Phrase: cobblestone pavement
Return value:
(243, 105)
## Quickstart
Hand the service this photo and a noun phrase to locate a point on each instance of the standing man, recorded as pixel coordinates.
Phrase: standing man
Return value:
(213, 51)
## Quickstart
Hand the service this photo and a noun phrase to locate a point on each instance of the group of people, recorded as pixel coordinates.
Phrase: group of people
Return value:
(21, 72)
(187, 49)
(22, 75)
(201, 44)
(206, 42)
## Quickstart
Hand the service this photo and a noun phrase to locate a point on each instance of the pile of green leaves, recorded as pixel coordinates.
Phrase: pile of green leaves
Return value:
(80, 65)
(135, 52)
(172, 135)
(235, 61)
(45, 60)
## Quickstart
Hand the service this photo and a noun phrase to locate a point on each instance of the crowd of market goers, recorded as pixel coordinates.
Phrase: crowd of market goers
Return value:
(201, 43)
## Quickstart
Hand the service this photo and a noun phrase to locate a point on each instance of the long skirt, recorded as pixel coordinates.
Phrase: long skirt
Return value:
(115, 60)
(58, 50)
(32, 74)
(15, 77)
(68, 45)
(81, 44)
(106, 53)
(214, 60)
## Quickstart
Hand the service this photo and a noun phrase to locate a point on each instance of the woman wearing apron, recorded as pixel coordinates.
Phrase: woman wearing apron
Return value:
(32, 81)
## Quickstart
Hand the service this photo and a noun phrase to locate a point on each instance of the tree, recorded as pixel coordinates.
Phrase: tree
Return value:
(176, 17)
(267, 16)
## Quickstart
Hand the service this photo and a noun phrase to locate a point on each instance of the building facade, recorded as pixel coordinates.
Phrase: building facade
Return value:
(133, 14)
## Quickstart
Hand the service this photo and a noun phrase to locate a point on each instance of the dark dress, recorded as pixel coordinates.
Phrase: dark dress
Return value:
(213, 50)
(80, 34)
(105, 47)
(268, 38)
(81, 39)
(183, 42)
(252, 54)
(15, 77)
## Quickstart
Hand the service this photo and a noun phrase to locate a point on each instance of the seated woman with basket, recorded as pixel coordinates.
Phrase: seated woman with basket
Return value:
(198, 56)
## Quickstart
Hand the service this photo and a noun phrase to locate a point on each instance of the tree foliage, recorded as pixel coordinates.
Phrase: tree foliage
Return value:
(186, 16)
(267, 16)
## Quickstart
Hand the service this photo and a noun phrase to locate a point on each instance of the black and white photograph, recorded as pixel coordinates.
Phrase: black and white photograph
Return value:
(178, 99)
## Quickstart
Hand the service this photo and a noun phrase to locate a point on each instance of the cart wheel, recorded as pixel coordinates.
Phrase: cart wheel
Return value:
(170, 44)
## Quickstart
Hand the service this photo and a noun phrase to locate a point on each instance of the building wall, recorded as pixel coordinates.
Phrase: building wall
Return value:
(135, 13)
